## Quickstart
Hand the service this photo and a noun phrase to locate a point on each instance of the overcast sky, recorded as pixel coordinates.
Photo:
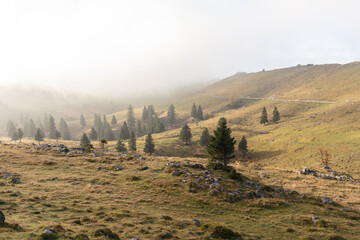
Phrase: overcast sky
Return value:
(123, 47)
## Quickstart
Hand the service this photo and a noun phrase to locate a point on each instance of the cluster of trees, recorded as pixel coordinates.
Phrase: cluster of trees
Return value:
(101, 129)
(264, 117)
(197, 112)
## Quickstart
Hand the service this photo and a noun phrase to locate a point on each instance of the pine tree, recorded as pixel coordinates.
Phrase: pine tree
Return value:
(151, 111)
(159, 127)
(57, 135)
(17, 135)
(264, 118)
(45, 125)
(204, 139)
(93, 134)
(113, 120)
(98, 125)
(120, 146)
(243, 145)
(221, 145)
(139, 129)
(20, 134)
(193, 111)
(149, 144)
(145, 114)
(10, 128)
(39, 135)
(124, 132)
(52, 128)
(84, 141)
(82, 121)
(64, 130)
(132, 142)
(103, 142)
(200, 114)
(32, 129)
(276, 115)
(108, 133)
(131, 118)
(171, 114)
(185, 134)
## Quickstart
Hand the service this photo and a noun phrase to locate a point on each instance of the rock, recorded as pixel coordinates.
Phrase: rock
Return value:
(315, 219)
(166, 218)
(197, 222)
(262, 175)
(15, 180)
(107, 233)
(261, 194)
(326, 200)
(2, 217)
(213, 192)
(176, 173)
(302, 196)
(214, 185)
(135, 239)
(48, 231)
(144, 168)
(142, 158)
(165, 236)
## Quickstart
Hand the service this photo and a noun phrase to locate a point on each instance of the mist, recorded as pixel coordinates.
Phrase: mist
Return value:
(130, 48)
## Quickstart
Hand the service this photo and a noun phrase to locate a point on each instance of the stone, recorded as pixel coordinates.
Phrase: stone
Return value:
(2, 217)
(326, 200)
(214, 185)
(107, 233)
(197, 222)
(166, 218)
(48, 231)
(176, 173)
(15, 180)
(315, 219)
(262, 175)
(144, 168)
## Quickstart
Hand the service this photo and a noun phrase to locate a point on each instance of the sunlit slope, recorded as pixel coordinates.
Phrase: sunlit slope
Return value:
(319, 82)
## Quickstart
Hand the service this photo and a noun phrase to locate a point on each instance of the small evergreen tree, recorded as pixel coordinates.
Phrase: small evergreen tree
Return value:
(243, 145)
(204, 139)
(57, 135)
(132, 142)
(200, 114)
(113, 120)
(103, 142)
(108, 133)
(32, 129)
(120, 146)
(264, 118)
(221, 145)
(131, 118)
(82, 121)
(276, 115)
(145, 114)
(10, 128)
(93, 134)
(98, 124)
(194, 111)
(171, 114)
(124, 132)
(39, 135)
(15, 136)
(84, 141)
(45, 124)
(64, 130)
(139, 129)
(52, 128)
(20, 134)
(149, 144)
(185, 134)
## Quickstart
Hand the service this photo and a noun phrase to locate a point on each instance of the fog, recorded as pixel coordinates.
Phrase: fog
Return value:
(121, 48)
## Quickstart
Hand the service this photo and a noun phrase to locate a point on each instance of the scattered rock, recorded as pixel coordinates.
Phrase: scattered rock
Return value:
(197, 222)
(48, 231)
(262, 175)
(315, 219)
(144, 168)
(15, 180)
(166, 218)
(107, 233)
(2, 217)
(176, 173)
(326, 200)
(214, 185)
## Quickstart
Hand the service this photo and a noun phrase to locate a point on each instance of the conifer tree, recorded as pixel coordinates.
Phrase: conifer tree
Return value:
(171, 114)
(151, 110)
(243, 145)
(108, 133)
(120, 146)
(132, 142)
(139, 129)
(20, 134)
(185, 134)
(52, 128)
(98, 124)
(276, 115)
(113, 121)
(145, 114)
(221, 145)
(131, 118)
(264, 118)
(39, 135)
(193, 111)
(32, 129)
(57, 135)
(64, 130)
(45, 124)
(82, 121)
(84, 141)
(149, 144)
(199, 113)
(204, 139)
(124, 132)
(93, 134)
(10, 128)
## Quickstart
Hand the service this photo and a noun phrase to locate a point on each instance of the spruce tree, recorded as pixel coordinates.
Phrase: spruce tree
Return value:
(171, 114)
(149, 144)
(264, 118)
(20, 134)
(108, 133)
(52, 128)
(57, 135)
(243, 145)
(45, 124)
(199, 113)
(84, 141)
(113, 121)
(276, 115)
(120, 146)
(221, 145)
(131, 118)
(124, 132)
(139, 129)
(64, 130)
(93, 134)
(193, 111)
(204, 139)
(39, 135)
(98, 125)
(185, 134)
(32, 129)
(82, 121)
(151, 110)
(145, 114)
(132, 142)
(10, 128)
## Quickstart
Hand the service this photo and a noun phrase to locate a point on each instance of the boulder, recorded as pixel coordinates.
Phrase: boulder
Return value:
(214, 185)
(2, 217)
(315, 219)
(15, 180)
(326, 200)
(197, 222)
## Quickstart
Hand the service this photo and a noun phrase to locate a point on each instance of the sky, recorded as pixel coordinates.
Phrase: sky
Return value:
(121, 48)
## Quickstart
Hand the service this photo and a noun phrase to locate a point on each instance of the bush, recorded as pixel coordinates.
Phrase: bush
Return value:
(218, 231)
